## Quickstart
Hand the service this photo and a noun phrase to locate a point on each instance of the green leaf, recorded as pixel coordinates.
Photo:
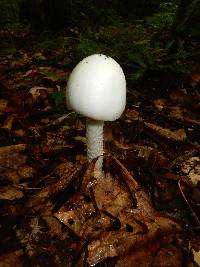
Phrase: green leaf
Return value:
(137, 75)
(58, 97)
(169, 44)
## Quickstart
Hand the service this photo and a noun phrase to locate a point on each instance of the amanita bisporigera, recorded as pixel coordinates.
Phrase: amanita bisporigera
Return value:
(97, 89)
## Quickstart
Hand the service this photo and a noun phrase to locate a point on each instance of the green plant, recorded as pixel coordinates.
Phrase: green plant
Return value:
(7, 49)
(58, 97)
(87, 47)
(45, 44)
(164, 18)
(9, 12)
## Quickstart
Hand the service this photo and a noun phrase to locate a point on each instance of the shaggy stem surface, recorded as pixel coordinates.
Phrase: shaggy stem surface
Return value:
(94, 133)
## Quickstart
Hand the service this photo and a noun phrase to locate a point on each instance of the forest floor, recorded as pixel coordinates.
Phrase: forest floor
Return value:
(54, 209)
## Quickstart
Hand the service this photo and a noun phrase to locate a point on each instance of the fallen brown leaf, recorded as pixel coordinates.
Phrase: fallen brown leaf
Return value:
(114, 214)
(10, 193)
(176, 135)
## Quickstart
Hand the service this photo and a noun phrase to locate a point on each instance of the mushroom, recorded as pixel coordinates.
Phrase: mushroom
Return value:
(97, 89)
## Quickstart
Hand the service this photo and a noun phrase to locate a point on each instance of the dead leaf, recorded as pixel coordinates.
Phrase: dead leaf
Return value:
(176, 135)
(183, 115)
(39, 56)
(191, 168)
(53, 73)
(11, 259)
(195, 78)
(156, 254)
(159, 103)
(65, 173)
(81, 139)
(196, 256)
(23, 59)
(3, 105)
(13, 165)
(5, 150)
(10, 193)
(20, 133)
(8, 123)
(81, 158)
(194, 246)
(25, 171)
(36, 91)
(132, 114)
(114, 212)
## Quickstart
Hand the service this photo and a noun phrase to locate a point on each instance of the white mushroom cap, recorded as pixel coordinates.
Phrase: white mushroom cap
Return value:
(97, 88)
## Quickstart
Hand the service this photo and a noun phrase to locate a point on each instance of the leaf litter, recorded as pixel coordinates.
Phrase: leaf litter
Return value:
(56, 211)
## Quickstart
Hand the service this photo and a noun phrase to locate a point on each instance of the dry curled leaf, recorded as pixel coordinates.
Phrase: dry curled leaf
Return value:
(114, 213)
(176, 135)
(196, 256)
(37, 91)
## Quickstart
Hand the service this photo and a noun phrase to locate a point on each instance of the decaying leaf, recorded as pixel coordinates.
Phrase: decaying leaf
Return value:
(196, 256)
(8, 123)
(10, 193)
(113, 214)
(52, 73)
(158, 253)
(58, 181)
(191, 168)
(36, 91)
(160, 103)
(5, 150)
(20, 133)
(181, 114)
(195, 78)
(11, 259)
(13, 163)
(176, 135)
(3, 105)
(46, 243)
(132, 114)
(54, 213)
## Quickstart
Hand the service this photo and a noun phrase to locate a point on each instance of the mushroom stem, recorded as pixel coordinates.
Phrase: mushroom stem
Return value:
(94, 133)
